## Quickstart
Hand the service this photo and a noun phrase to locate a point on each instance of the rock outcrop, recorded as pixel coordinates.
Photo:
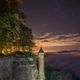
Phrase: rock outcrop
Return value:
(60, 74)
(19, 66)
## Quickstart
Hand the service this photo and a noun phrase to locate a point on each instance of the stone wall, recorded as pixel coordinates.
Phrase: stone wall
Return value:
(18, 67)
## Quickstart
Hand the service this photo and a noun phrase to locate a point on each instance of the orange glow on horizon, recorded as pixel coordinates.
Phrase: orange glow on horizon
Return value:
(57, 42)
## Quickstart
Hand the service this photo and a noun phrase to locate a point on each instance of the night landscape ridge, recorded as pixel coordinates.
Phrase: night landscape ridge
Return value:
(45, 45)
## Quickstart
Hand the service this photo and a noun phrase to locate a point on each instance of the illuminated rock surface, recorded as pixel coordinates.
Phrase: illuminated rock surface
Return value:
(18, 67)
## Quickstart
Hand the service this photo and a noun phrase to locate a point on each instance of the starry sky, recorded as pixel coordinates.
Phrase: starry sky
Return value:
(55, 23)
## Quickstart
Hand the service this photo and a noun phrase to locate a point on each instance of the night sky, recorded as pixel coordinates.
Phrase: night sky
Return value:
(58, 16)
(49, 17)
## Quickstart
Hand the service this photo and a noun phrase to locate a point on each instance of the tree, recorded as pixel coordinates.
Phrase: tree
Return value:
(2, 38)
(12, 22)
(26, 38)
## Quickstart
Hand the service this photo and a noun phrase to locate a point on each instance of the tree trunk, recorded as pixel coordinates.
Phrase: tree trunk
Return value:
(23, 49)
(6, 52)
(0, 50)
(10, 49)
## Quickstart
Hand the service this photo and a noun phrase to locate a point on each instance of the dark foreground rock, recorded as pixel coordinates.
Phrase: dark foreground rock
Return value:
(64, 60)
(60, 74)
(19, 66)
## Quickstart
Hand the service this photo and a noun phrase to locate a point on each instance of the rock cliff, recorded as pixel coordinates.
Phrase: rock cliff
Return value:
(18, 66)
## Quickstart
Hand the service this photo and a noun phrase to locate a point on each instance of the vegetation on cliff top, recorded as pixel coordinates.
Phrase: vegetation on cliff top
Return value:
(14, 33)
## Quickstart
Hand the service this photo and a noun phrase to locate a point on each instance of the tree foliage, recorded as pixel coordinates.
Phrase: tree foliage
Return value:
(13, 29)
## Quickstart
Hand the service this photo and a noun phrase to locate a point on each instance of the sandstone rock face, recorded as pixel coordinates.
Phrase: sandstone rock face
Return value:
(18, 67)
